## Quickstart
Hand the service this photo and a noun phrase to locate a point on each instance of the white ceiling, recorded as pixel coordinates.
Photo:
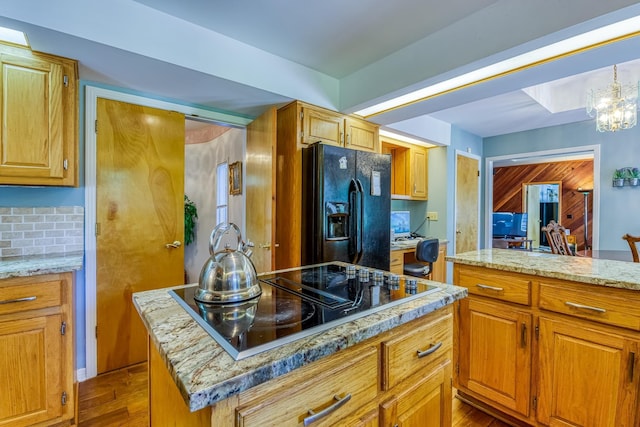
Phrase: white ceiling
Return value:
(243, 56)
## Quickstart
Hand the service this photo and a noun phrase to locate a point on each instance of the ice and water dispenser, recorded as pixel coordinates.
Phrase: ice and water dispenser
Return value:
(337, 217)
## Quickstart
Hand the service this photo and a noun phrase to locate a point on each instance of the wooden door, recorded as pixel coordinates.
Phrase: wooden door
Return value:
(427, 403)
(260, 187)
(467, 203)
(140, 210)
(587, 378)
(31, 108)
(495, 349)
(31, 371)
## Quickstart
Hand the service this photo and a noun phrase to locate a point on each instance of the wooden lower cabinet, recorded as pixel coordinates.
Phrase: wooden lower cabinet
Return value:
(495, 339)
(345, 389)
(544, 352)
(587, 377)
(426, 403)
(36, 345)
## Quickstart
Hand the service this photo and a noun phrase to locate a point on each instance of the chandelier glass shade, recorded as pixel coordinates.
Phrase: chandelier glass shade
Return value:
(614, 107)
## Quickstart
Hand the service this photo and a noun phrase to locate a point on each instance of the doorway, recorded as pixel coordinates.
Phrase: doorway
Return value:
(541, 202)
(572, 195)
(90, 306)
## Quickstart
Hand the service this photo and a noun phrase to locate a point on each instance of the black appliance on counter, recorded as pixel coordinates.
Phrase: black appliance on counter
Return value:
(346, 206)
(297, 303)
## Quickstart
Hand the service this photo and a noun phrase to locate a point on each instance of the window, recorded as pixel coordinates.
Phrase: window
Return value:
(222, 196)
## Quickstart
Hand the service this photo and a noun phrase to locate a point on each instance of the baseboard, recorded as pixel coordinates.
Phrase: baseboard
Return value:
(81, 375)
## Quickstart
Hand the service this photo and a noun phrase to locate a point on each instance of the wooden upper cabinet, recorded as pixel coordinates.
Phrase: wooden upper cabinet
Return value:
(419, 180)
(38, 107)
(329, 127)
(409, 169)
(362, 135)
(321, 125)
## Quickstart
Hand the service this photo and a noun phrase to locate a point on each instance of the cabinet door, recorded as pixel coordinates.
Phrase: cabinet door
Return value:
(495, 353)
(320, 125)
(427, 403)
(361, 135)
(587, 377)
(30, 368)
(31, 107)
(419, 162)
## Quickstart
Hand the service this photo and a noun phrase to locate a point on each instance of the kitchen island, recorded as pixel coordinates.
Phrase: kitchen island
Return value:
(369, 365)
(547, 339)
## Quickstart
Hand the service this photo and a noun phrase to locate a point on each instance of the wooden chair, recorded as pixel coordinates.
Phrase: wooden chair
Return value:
(557, 238)
(632, 240)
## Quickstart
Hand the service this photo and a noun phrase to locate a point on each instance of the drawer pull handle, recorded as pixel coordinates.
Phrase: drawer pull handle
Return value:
(585, 307)
(9, 301)
(430, 350)
(315, 416)
(490, 288)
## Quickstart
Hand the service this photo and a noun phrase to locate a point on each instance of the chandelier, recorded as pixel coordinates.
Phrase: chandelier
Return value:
(614, 107)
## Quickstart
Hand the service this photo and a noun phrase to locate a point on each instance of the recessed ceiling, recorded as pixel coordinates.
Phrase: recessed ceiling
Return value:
(243, 56)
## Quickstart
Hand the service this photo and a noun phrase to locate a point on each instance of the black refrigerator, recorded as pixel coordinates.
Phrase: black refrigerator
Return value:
(346, 202)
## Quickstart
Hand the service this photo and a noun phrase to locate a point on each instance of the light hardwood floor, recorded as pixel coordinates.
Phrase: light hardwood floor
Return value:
(120, 399)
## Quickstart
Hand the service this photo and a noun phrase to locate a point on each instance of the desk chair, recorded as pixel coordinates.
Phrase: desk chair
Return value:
(557, 237)
(426, 252)
(632, 240)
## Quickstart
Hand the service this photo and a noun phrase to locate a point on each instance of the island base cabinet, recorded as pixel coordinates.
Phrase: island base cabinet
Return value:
(587, 377)
(324, 399)
(495, 340)
(425, 404)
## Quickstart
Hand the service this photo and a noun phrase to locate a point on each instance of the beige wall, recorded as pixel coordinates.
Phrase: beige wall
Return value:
(201, 160)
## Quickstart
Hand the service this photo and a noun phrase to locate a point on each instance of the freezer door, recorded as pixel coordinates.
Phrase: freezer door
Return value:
(373, 171)
(326, 227)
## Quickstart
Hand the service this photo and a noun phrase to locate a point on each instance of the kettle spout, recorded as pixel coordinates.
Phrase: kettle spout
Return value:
(246, 248)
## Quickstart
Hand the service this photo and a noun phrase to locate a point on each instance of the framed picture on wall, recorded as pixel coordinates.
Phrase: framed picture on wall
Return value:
(235, 178)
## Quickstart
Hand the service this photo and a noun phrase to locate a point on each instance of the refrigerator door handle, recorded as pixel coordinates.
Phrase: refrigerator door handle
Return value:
(354, 191)
(359, 221)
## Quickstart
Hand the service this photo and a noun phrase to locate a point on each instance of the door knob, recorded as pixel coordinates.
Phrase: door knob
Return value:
(458, 232)
(266, 246)
(175, 245)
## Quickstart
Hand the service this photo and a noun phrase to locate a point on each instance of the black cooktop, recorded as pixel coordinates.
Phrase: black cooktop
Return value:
(297, 303)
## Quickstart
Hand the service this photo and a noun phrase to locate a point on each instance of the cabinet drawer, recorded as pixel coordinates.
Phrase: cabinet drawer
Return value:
(337, 390)
(427, 345)
(496, 284)
(618, 307)
(30, 296)
(396, 258)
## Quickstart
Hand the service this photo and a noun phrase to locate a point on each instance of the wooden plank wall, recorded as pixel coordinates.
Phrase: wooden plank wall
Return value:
(507, 190)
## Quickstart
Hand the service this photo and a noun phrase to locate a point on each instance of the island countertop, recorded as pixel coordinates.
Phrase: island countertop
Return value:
(601, 272)
(22, 266)
(205, 373)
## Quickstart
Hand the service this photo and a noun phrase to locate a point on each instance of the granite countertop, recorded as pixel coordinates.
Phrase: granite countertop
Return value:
(205, 373)
(602, 272)
(32, 265)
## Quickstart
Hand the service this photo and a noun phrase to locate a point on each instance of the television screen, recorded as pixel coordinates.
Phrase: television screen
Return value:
(509, 225)
(401, 223)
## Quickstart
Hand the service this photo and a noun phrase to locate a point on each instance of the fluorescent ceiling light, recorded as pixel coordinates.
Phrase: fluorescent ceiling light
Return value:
(13, 36)
(609, 33)
(404, 138)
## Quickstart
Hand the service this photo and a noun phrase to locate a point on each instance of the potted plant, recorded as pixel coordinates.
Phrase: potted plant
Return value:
(618, 178)
(190, 217)
(633, 176)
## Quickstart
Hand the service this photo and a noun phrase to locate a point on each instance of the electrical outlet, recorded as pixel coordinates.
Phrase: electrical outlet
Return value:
(432, 216)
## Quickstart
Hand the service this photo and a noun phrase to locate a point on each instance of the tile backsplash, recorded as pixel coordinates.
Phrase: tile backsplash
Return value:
(39, 231)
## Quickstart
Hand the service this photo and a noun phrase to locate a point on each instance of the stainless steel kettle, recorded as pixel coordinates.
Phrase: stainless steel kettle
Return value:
(229, 275)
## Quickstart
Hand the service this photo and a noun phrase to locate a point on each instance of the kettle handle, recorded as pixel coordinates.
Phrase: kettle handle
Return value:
(219, 231)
